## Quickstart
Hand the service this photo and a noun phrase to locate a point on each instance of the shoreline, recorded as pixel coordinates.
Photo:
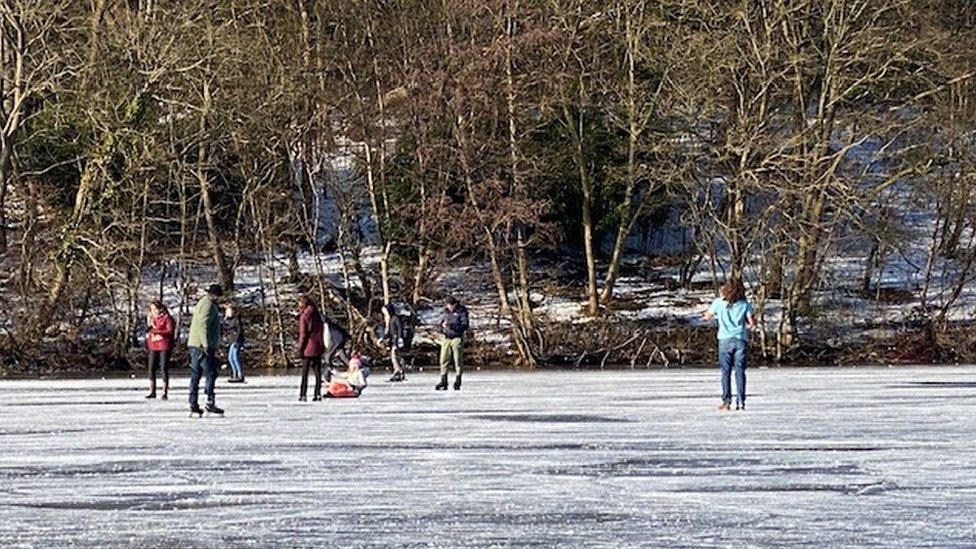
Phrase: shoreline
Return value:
(609, 369)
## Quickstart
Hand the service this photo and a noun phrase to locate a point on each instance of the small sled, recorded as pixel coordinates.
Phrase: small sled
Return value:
(340, 389)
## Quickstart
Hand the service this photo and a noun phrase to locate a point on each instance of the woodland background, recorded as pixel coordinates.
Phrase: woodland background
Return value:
(514, 151)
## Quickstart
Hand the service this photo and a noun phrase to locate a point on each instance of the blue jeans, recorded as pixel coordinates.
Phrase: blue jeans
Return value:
(233, 356)
(202, 363)
(732, 356)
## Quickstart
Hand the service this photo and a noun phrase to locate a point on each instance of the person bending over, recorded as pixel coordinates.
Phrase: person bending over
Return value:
(335, 338)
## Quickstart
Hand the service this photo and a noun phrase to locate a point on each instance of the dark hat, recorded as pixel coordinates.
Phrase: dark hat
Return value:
(215, 289)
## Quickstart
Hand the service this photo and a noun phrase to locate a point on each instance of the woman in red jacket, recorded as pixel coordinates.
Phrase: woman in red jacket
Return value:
(311, 346)
(160, 343)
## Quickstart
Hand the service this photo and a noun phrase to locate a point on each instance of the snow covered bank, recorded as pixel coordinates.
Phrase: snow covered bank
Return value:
(826, 457)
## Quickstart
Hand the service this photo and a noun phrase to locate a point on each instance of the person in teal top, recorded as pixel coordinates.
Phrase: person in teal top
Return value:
(735, 317)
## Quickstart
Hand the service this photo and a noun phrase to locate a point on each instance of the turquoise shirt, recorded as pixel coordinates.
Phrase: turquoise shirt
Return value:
(732, 319)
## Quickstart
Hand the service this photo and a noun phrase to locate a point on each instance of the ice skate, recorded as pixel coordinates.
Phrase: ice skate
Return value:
(212, 409)
(442, 386)
(457, 383)
(196, 412)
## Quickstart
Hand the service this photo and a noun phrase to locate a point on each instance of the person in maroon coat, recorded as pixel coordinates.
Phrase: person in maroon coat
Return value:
(311, 346)
(159, 339)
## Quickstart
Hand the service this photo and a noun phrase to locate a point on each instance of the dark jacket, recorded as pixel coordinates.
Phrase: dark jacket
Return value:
(337, 336)
(454, 325)
(395, 334)
(310, 328)
(237, 330)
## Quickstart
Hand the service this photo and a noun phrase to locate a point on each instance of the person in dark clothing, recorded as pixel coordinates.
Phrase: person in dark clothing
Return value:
(335, 338)
(236, 345)
(395, 338)
(453, 325)
(203, 342)
(159, 339)
(310, 347)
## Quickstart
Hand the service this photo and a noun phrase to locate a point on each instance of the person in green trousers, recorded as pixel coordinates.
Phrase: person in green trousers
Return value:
(453, 325)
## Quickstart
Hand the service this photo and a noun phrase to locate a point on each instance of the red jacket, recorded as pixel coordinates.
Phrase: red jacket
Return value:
(310, 328)
(163, 328)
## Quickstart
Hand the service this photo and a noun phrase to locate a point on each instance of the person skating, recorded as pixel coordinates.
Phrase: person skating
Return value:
(453, 325)
(311, 346)
(335, 338)
(396, 340)
(159, 339)
(735, 317)
(236, 325)
(203, 343)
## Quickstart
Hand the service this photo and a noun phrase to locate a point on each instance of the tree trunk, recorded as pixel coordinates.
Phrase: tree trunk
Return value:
(419, 275)
(736, 220)
(576, 136)
(220, 259)
(423, 255)
(808, 252)
(4, 175)
(504, 306)
(525, 303)
(374, 198)
(521, 260)
(593, 300)
(381, 216)
(627, 214)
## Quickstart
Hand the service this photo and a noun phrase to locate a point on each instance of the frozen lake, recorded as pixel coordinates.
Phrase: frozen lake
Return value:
(823, 457)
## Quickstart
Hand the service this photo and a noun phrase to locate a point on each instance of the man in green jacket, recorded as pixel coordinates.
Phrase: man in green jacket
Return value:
(203, 343)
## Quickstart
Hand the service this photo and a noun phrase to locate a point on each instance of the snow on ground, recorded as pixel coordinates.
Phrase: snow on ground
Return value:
(824, 457)
(652, 301)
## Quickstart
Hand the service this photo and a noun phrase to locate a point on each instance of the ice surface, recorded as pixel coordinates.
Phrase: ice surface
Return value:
(824, 457)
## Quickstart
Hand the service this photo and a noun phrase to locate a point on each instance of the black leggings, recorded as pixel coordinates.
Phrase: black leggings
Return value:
(157, 360)
(311, 362)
